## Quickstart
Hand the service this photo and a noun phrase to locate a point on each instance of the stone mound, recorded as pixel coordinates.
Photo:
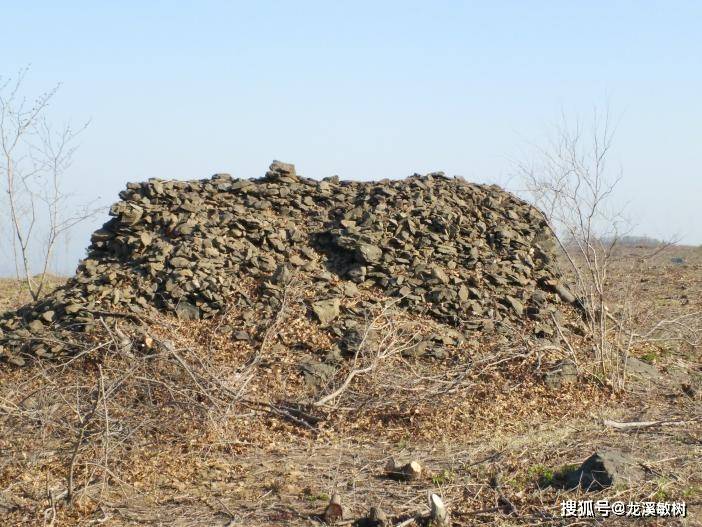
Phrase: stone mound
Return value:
(469, 256)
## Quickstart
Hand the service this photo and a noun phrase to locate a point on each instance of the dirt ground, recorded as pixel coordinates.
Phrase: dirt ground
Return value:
(492, 435)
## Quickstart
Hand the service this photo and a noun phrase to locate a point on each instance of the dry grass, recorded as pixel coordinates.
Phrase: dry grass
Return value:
(14, 294)
(195, 429)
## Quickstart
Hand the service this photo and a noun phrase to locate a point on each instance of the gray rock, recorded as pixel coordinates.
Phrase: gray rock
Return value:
(605, 468)
(35, 326)
(515, 304)
(241, 336)
(369, 253)
(187, 311)
(317, 374)
(350, 289)
(439, 274)
(326, 310)
(564, 373)
(641, 369)
(179, 262)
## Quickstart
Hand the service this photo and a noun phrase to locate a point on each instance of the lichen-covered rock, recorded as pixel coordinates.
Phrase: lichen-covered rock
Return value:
(470, 256)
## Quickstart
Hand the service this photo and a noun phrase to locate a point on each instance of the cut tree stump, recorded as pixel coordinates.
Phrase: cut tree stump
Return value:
(377, 518)
(333, 513)
(438, 515)
(408, 472)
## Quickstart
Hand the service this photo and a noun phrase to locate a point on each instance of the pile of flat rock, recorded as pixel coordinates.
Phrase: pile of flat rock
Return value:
(473, 257)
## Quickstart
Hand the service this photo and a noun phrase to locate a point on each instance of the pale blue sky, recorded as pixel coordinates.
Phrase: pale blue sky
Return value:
(366, 89)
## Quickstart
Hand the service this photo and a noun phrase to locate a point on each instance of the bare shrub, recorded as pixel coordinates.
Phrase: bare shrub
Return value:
(34, 156)
(571, 181)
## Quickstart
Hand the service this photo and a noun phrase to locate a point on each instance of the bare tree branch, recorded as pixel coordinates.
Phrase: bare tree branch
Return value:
(33, 158)
(570, 181)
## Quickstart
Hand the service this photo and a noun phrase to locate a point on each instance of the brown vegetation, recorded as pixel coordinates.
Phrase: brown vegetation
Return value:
(144, 427)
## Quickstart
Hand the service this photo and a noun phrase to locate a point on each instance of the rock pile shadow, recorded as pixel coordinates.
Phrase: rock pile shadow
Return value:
(472, 257)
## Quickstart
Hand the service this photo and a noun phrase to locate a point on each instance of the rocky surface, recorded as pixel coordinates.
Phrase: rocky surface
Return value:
(470, 256)
(606, 467)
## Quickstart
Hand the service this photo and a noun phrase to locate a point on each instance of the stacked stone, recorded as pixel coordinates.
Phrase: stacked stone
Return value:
(471, 256)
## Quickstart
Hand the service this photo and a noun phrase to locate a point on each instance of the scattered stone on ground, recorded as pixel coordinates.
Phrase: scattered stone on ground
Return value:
(317, 374)
(565, 373)
(605, 468)
(642, 370)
